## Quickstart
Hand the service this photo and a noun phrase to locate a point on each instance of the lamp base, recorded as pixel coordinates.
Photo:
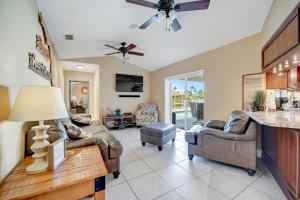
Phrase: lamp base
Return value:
(39, 147)
(37, 167)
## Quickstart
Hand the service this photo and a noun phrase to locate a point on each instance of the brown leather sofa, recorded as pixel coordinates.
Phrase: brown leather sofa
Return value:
(232, 142)
(111, 149)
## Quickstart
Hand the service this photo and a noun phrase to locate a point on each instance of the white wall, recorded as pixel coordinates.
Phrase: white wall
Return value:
(19, 26)
(109, 66)
(223, 69)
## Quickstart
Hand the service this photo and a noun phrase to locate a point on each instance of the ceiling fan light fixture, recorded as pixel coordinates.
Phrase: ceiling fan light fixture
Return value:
(172, 15)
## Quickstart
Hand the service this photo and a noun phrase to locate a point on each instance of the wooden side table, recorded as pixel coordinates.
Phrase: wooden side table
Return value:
(81, 175)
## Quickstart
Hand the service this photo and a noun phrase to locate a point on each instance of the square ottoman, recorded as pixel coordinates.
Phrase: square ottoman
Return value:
(158, 134)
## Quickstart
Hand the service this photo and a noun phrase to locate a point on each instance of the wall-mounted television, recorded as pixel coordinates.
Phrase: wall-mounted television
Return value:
(129, 83)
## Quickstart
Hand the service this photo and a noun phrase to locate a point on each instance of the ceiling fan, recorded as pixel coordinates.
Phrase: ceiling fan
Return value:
(167, 9)
(124, 50)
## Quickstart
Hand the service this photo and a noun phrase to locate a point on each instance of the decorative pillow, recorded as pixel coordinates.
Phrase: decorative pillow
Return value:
(148, 108)
(237, 123)
(81, 121)
(56, 130)
(74, 132)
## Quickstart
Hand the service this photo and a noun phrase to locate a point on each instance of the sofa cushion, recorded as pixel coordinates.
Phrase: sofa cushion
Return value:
(237, 123)
(217, 124)
(74, 132)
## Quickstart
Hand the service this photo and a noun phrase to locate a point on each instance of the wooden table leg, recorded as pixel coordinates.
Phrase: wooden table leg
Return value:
(99, 195)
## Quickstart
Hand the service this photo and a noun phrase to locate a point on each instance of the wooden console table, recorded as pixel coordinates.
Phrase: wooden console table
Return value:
(81, 175)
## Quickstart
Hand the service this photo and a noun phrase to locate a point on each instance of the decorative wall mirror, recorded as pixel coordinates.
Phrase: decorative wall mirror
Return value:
(79, 96)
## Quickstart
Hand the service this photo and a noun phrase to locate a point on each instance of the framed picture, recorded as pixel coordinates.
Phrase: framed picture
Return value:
(56, 153)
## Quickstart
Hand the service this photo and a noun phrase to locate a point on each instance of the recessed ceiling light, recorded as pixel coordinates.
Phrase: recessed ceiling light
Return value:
(69, 37)
(80, 66)
(133, 26)
(286, 65)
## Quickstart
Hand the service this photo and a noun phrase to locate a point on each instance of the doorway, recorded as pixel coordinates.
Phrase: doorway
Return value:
(186, 99)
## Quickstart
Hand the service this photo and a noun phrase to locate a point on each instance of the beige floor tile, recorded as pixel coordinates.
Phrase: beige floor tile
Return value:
(146, 151)
(149, 186)
(239, 174)
(175, 155)
(121, 191)
(175, 175)
(111, 181)
(157, 162)
(224, 183)
(267, 184)
(135, 169)
(173, 195)
(253, 194)
(198, 190)
(128, 157)
(195, 168)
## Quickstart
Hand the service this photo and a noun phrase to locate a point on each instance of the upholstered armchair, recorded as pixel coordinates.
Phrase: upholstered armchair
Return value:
(146, 114)
(232, 142)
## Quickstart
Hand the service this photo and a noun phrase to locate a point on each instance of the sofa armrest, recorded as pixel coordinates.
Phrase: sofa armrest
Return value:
(72, 144)
(192, 134)
(217, 124)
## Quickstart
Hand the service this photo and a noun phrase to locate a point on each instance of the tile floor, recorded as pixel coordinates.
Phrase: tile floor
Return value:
(148, 174)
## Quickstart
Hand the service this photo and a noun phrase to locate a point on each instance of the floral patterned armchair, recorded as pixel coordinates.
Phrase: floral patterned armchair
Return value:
(146, 114)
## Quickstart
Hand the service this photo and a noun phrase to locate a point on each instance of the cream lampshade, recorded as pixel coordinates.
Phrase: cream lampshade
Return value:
(38, 103)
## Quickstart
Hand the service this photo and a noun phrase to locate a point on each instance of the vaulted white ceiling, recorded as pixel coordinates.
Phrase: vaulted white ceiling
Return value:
(98, 22)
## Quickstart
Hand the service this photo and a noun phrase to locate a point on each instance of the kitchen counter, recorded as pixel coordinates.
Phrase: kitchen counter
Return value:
(283, 119)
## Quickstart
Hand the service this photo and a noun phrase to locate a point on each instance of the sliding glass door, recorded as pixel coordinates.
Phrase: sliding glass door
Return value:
(187, 99)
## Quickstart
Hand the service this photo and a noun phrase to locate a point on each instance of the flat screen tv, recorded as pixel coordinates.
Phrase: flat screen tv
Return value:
(129, 83)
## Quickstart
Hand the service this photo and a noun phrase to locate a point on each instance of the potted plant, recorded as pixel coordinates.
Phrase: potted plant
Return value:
(259, 100)
(118, 111)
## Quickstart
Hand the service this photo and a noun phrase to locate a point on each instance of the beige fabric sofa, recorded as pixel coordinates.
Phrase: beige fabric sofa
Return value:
(216, 141)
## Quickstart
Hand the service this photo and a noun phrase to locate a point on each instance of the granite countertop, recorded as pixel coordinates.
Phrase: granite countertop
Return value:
(284, 119)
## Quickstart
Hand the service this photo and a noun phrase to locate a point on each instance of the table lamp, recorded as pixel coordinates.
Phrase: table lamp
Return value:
(38, 103)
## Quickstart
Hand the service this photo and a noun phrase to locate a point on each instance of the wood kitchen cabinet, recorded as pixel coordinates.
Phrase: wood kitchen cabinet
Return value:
(288, 80)
(281, 153)
(294, 79)
(284, 39)
(275, 81)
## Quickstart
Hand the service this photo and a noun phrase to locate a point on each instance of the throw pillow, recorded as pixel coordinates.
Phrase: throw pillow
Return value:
(81, 121)
(74, 132)
(56, 130)
(237, 123)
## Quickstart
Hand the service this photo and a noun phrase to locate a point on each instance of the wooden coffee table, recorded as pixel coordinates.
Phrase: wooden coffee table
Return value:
(81, 175)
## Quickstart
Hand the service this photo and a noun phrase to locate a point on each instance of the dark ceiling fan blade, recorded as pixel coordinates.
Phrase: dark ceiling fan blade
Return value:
(142, 3)
(131, 46)
(112, 47)
(175, 25)
(194, 5)
(136, 53)
(112, 53)
(148, 22)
